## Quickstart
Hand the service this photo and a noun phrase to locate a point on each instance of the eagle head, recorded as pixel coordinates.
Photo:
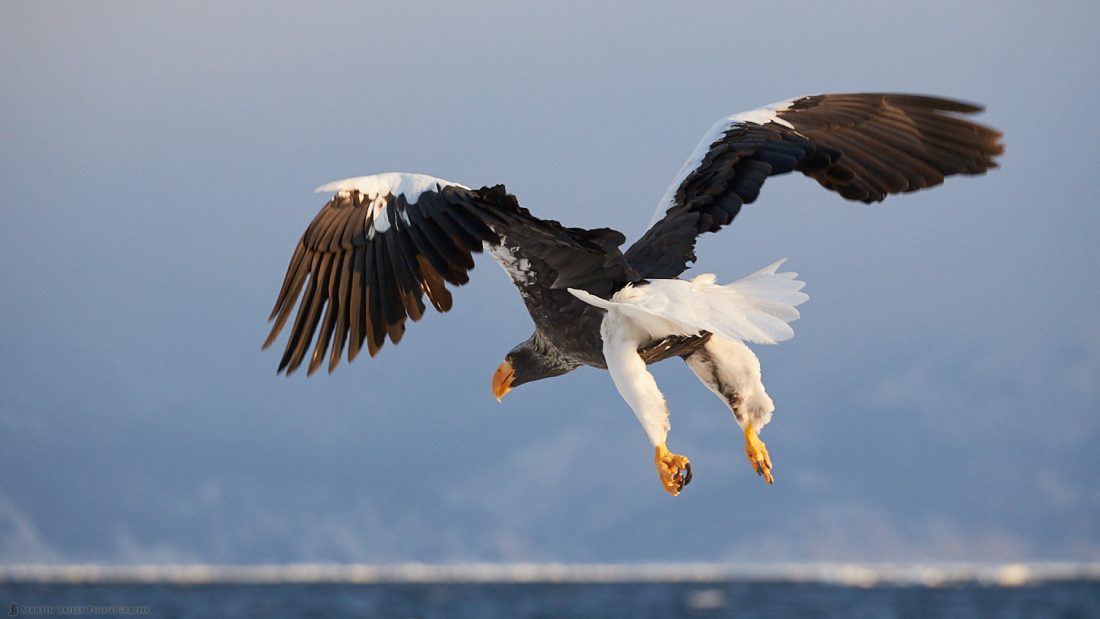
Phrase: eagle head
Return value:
(530, 361)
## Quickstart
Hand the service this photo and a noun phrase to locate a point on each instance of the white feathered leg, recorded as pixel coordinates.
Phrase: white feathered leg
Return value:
(757, 308)
(638, 387)
(732, 372)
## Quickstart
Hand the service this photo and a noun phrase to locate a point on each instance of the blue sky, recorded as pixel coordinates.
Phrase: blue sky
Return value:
(940, 400)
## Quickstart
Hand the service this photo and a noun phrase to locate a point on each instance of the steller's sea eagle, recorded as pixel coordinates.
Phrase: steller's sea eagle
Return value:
(383, 243)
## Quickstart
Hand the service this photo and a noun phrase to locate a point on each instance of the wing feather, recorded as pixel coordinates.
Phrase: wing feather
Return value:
(301, 336)
(357, 330)
(408, 278)
(328, 323)
(864, 146)
(466, 241)
(392, 312)
(293, 278)
(371, 328)
(292, 287)
(363, 265)
(425, 250)
(343, 325)
(447, 259)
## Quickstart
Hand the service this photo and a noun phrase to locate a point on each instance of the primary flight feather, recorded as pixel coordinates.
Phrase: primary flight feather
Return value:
(385, 243)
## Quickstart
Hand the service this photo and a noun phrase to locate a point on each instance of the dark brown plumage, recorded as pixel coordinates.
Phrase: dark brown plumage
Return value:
(367, 261)
(863, 146)
(383, 243)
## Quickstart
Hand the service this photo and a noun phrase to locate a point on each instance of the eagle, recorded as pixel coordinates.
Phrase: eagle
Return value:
(385, 246)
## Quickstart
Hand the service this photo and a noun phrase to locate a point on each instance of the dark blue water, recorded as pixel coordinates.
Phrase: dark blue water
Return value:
(740, 599)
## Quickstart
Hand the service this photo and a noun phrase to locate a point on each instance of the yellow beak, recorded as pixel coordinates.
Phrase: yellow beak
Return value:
(502, 379)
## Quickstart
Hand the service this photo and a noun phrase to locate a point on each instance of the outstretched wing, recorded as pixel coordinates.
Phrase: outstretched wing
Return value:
(863, 146)
(384, 242)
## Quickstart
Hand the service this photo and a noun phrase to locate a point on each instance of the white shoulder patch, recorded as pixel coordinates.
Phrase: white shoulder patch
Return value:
(518, 268)
(390, 183)
(760, 116)
(378, 187)
(765, 114)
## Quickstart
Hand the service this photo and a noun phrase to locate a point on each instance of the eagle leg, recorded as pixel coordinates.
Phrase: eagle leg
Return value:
(673, 469)
(758, 455)
(732, 372)
(621, 340)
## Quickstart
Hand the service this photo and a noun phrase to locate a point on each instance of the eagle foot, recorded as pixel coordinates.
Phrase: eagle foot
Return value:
(758, 456)
(673, 469)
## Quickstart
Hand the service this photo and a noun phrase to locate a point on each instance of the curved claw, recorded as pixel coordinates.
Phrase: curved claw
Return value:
(673, 469)
(757, 454)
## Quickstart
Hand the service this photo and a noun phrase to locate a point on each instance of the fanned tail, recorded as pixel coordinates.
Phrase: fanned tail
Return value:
(756, 308)
(766, 299)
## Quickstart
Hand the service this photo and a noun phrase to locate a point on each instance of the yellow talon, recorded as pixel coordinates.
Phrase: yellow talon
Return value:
(758, 455)
(673, 469)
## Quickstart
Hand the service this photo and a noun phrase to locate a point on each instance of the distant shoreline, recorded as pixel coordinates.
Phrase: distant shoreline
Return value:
(845, 574)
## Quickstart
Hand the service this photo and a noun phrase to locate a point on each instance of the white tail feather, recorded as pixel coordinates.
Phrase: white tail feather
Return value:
(756, 308)
(591, 299)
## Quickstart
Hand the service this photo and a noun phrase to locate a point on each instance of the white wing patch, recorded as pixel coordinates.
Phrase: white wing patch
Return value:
(760, 116)
(517, 268)
(378, 187)
(765, 114)
(393, 183)
(377, 214)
